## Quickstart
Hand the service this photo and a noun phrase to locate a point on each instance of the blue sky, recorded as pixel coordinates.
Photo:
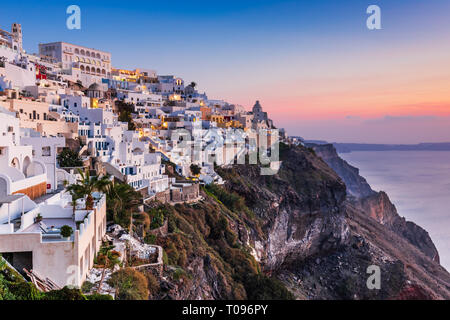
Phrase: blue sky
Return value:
(304, 60)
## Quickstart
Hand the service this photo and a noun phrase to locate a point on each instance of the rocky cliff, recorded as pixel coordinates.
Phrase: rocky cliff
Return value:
(319, 242)
(295, 234)
(376, 204)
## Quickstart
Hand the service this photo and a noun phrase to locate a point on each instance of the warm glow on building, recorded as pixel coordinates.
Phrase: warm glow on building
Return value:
(94, 103)
(175, 97)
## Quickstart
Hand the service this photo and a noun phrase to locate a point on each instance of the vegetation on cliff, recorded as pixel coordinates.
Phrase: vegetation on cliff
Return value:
(206, 236)
(14, 287)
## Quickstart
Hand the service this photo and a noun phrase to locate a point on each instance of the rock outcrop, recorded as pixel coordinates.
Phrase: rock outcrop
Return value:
(302, 229)
(376, 204)
(319, 236)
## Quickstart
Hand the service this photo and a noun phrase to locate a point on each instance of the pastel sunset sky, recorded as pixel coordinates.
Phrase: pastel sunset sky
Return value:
(314, 65)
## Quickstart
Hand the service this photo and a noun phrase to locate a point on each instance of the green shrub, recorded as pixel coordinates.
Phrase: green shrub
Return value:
(157, 218)
(261, 287)
(130, 283)
(5, 293)
(98, 296)
(232, 201)
(165, 258)
(150, 238)
(153, 283)
(65, 294)
(66, 231)
(86, 286)
(25, 291)
(69, 158)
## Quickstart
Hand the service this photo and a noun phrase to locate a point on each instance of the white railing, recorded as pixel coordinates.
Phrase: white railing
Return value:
(28, 182)
(86, 223)
(6, 228)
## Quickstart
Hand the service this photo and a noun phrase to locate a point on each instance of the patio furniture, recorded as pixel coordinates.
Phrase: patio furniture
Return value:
(48, 230)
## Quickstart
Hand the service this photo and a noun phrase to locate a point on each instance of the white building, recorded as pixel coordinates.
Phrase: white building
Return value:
(11, 42)
(38, 245)
(88, 61)
(20, 173)
(45, 150)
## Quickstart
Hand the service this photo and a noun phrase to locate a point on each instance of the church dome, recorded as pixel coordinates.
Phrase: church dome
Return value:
(257, 107)
(95, 87)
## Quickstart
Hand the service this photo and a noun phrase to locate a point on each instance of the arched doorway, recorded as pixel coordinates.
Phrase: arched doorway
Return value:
(3, 187)
(26, 163)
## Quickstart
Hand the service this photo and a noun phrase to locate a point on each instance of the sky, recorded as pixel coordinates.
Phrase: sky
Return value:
(314, 66)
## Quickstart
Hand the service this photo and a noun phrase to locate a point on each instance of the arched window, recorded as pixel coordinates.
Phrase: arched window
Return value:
(82, 68)
(82, 52)
(77, 51)
(98, 70)
(15, 163)
(103, 71)
(88, 69)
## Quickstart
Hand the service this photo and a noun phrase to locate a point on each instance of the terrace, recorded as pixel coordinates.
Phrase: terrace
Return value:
(47, 217)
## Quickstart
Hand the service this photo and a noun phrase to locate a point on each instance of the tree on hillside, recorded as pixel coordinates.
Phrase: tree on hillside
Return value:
(125, 111)
(68, 158)
(130, 284)
(122, 202)
(125, 116)
(195, 169)
(109, 258)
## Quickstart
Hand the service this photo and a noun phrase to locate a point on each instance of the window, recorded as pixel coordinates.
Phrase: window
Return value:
(46, 152)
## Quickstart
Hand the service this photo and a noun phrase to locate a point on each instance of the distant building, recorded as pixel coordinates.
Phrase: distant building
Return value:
(89, 61)
(12, 40)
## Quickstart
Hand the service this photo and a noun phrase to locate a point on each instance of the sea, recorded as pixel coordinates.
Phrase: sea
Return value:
(418, 183)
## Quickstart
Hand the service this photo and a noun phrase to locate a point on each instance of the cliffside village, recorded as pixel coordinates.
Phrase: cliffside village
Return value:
(70, 96)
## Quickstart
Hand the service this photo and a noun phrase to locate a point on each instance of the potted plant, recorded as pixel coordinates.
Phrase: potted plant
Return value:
(38, 218)
(66, 232)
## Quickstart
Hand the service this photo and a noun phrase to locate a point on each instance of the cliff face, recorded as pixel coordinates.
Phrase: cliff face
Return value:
(376, 204)
(357, 186)
(301, 208)
(298, 230)
(319, 243)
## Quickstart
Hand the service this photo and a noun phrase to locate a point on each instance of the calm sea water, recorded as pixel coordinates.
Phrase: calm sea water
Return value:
(418, 183)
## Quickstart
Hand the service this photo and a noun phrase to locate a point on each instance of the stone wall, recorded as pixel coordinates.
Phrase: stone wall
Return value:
(182, 193)
(163, 196)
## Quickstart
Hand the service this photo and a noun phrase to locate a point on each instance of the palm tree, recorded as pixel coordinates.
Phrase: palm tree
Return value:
(86, 185)
(111, 259)
(73, 202)
(123, 201)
